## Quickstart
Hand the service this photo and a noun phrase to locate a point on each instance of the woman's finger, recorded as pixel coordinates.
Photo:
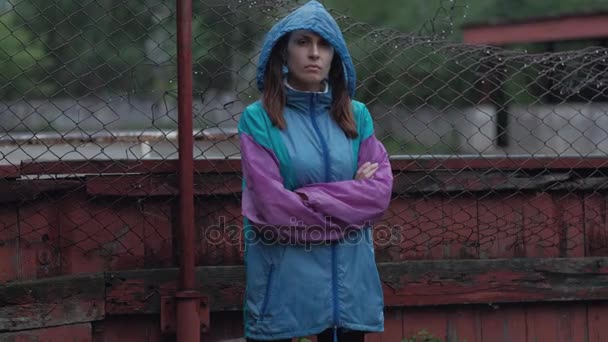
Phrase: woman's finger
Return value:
(371, 167)
(366, 170)
(361, 170)
(370, 171)
(370, 174)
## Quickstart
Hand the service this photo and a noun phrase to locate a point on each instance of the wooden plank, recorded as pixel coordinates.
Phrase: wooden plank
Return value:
(464, 324)
(51, 302)
(492, 281)
(387, 233)
(219, 223)
(409, 283)
(596, 228)
(10, 262)
(158, 232)
(97, 167)
(162, 185)
(572, 234)
(393, 327)
(9, 171)
(226, 326)
(24, 190)
(597, 315)
(542, 226)
(144, 328)
(39, 237)
(504, 323)
(557, 322)
(431, 321)
(421, 228)
(67, 333)
(426, 163)
(413, 182)
(459, 163)
(501, 226)
(72, 167)
(140, 291)
(553, 225)
(461, 228)
(101, 234)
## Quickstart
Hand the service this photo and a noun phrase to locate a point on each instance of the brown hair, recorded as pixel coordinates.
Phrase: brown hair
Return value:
(273, 96)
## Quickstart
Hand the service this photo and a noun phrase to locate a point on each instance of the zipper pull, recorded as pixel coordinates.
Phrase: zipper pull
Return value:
(335, 333)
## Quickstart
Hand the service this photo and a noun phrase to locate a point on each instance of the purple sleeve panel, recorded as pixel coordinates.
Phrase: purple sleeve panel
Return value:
(273, 208)
(356, 202)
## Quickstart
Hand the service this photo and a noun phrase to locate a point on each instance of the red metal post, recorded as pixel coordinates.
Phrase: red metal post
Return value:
(187, 299)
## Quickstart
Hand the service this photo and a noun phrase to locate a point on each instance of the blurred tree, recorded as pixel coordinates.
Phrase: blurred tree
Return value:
(77, 48)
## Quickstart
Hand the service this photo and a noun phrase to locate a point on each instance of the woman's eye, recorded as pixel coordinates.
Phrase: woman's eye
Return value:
(302, 42)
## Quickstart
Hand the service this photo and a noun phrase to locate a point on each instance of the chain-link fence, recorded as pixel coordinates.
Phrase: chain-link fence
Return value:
(497, 153)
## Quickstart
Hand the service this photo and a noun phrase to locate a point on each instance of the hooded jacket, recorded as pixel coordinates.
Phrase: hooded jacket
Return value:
(310, 263)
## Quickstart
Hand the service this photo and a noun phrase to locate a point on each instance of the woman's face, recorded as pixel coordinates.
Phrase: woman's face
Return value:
(309, 59)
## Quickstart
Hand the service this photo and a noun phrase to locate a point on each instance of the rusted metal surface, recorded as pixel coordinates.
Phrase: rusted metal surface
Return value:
(108, 167)
(162, 185)
(428, 163)
(168, 314)
(18, 191)
(104, 137)
(470, 249)
(136, 328)
(9, 171)
(572, 27)
(150, 185)
(187, 298)
(10, 263)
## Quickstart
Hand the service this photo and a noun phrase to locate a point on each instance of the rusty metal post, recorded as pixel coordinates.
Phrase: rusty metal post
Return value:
(187, 299)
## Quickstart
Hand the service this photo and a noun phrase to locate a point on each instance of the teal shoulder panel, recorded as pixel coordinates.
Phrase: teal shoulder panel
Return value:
(256, 123)
(365, 127)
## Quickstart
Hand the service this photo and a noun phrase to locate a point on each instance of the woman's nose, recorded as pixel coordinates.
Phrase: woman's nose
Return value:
(314, 51)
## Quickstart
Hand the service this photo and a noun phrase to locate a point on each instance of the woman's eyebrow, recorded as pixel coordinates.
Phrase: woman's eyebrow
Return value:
(303, 35)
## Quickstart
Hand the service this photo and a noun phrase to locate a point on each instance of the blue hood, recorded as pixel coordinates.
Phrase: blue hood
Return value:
(313, 17)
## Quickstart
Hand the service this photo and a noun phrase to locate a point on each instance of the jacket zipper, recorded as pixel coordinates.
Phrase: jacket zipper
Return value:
(334, 271)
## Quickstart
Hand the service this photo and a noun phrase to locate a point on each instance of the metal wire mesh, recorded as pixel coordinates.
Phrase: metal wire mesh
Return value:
(497, 153)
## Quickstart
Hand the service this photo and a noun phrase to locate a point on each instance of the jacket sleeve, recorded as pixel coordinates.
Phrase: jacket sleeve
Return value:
(273, 208)
(356, 202)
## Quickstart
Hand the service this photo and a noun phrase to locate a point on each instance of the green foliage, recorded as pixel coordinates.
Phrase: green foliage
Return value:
(22, 58)
(80, 48)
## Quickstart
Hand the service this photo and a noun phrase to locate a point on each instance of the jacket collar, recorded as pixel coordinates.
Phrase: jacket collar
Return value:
(303, 100)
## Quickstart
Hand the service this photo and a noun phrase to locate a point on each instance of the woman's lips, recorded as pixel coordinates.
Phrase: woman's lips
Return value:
(312, 68)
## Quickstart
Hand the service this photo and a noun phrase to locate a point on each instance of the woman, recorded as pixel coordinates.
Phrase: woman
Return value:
(314, 179)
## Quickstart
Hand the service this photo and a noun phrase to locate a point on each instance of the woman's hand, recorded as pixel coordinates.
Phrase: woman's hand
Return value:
(366, 171)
